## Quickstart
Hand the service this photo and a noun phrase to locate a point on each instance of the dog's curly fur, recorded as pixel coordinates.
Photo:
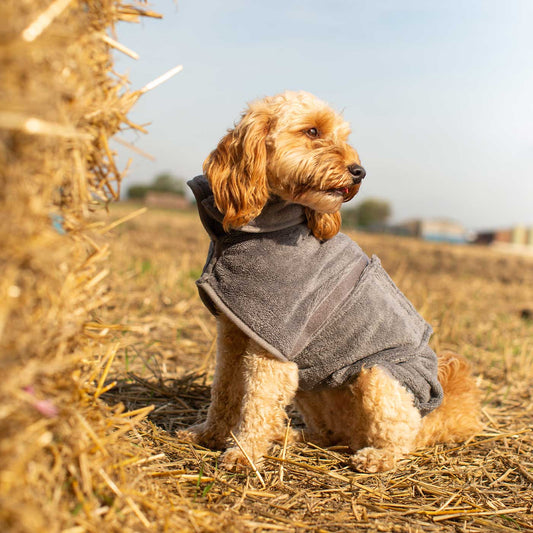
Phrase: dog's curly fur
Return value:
(296, 147)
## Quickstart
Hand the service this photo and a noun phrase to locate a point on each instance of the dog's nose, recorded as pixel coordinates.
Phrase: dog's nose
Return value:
(357, 172)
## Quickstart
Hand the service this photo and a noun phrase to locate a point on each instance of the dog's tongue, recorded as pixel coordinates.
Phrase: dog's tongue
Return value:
(345, 191)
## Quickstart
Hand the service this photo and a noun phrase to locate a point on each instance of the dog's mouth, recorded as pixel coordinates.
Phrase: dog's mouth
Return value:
(343, 192)
(339, 191)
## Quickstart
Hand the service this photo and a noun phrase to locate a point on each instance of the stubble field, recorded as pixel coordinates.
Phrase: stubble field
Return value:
(480, 304)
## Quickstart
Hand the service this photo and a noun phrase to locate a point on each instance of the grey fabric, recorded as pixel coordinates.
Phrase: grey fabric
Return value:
(322, 304)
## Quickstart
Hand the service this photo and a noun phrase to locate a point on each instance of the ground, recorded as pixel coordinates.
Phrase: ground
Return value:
(480, 304)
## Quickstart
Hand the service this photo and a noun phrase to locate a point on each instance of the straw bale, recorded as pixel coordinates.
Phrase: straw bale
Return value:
(62, 459)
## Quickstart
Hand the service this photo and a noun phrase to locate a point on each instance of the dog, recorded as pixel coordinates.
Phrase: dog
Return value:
(303, 315)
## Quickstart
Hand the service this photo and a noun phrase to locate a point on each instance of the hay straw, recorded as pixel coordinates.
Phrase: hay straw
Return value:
(44, 19)
(249, 459)
(142, 412)
(437, 517)
(284, 449)
(110, 356)
(128, 499)
(161, 79)
(134, 148)
(37, 126)
(124, 219)
(92, 434)
(118, 46)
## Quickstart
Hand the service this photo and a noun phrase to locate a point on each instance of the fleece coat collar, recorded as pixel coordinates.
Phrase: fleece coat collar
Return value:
(321, 304)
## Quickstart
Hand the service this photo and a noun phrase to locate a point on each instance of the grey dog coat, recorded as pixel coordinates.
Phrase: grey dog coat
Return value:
(321, 304)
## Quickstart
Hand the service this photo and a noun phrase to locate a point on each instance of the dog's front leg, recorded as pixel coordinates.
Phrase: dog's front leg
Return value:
(226, 392)
(388, 421)
(269, 386)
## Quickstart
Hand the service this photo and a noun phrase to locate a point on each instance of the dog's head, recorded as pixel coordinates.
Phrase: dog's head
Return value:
(293, 146)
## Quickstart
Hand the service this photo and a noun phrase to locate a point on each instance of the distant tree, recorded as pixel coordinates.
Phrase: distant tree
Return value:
(373, 211)
(167, 182)
(370, 212)
(163, 182)
(137, 192)
(349, 217)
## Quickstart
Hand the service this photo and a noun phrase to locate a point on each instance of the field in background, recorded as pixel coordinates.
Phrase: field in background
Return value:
(480, 304)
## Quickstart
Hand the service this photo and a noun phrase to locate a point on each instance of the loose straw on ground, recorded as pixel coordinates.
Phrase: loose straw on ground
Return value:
(284, 449)
(110, 355)
(134, 507)
(248, 458)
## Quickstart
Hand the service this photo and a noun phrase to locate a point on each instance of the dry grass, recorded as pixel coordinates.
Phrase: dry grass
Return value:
(475, 299)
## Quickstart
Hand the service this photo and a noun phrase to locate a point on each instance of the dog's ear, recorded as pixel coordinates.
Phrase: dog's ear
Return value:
(323, 225)
(236, 170)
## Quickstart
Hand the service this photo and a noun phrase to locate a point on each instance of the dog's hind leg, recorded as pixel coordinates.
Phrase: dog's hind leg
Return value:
(389, 421)
(226, 392)
(458, 417)
(269, 386)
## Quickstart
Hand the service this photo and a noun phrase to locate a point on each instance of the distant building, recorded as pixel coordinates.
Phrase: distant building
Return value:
(166, 200)
(439, 230)
(516, 239)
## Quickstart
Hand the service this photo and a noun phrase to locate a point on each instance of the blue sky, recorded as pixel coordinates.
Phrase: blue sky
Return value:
(439, 94)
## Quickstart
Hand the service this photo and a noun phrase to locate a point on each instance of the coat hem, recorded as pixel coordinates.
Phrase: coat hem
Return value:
(219, 304)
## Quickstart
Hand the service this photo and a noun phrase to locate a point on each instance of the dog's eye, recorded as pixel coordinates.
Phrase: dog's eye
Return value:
(312, 132)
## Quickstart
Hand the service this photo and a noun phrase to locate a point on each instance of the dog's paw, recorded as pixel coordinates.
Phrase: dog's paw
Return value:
(234, 459)
(187, 435)
(373, 460)
(202, 435)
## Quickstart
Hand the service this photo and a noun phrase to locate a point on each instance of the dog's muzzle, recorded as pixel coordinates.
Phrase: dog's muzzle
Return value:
(358, 173)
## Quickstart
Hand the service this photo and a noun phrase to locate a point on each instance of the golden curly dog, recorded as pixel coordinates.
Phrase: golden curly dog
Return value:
(295, 147)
